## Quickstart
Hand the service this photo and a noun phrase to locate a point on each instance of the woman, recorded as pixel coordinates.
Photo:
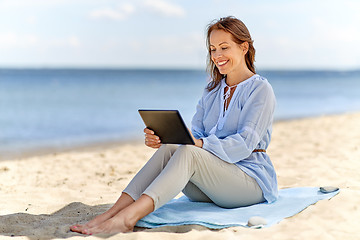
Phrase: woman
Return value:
(231, 128)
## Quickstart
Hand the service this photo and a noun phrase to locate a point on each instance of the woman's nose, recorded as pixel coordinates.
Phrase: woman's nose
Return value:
(216, 54)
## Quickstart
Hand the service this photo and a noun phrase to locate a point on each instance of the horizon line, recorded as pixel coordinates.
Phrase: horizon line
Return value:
(143, 68)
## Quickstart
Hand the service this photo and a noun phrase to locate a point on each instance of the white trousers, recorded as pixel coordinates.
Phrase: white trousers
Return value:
(201, 176)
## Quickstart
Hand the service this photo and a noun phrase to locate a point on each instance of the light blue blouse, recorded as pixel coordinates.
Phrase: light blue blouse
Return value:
(246, 125)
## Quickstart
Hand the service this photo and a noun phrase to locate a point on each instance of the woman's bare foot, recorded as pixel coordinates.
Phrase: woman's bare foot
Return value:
(126, 219)
(92, 223)
(123, 201)
(116, 224)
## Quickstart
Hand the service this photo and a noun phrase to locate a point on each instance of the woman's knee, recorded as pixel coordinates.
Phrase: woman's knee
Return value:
(166, 150)
(188, 149)
(191, 155)
(162, 156)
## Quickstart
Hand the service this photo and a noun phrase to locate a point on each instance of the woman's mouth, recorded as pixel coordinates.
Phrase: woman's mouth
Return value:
(222, 63)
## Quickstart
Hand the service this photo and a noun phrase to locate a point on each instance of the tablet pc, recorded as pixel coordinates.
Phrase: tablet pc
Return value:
(168, 125)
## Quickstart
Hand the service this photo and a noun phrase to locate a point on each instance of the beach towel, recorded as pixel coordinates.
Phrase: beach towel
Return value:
(182, 211)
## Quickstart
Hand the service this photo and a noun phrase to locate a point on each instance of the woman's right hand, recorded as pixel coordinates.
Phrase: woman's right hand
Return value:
(151, 140)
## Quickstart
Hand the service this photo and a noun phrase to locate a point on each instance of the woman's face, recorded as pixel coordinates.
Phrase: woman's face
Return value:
(227, 55)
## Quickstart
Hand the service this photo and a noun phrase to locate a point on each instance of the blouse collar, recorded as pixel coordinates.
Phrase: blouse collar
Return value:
(223, 81)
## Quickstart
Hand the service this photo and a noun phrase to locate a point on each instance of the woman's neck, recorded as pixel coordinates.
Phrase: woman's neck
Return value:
(235, 78)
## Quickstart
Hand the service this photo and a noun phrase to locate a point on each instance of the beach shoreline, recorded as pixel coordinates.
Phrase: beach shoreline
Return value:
(101, 145)
(43, 195)
(80, 147)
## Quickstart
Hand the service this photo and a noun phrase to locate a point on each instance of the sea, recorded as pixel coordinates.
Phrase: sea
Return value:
(59, 109)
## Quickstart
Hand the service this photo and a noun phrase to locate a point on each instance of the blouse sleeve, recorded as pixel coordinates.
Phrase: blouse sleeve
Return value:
(254, 121)
(197, 126)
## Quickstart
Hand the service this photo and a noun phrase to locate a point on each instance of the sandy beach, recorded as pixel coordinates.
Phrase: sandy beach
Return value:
(42, 196)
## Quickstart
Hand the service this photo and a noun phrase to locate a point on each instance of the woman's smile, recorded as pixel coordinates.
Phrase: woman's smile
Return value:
(222, 63)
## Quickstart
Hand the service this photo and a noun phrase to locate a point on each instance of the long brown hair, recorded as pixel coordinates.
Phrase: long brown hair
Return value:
(240, 34)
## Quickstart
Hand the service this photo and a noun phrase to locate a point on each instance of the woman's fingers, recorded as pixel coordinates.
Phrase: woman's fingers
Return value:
(151, 140)
(152, 145)
(146, 130)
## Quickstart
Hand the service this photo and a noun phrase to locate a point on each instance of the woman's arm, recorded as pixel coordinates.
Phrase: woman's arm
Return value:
(198, 142)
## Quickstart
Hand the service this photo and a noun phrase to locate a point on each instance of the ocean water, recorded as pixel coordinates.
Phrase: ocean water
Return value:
(65, 108)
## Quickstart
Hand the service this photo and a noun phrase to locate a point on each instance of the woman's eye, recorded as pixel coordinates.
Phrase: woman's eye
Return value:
(224, 48)
(212, 50)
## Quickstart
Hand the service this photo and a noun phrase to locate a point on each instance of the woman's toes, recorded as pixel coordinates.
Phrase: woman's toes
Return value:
(74, 227)
(90, 231)
(77, 228)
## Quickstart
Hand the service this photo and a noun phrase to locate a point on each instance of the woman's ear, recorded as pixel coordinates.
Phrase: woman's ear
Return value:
(245, 47)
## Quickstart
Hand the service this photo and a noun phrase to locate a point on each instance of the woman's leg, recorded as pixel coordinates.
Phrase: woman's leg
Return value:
(135, 188)
(124, 215)
(150, 170)
(194, 193)
(224, 183)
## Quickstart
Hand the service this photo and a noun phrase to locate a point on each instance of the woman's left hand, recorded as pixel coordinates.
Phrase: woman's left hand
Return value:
(198, 142)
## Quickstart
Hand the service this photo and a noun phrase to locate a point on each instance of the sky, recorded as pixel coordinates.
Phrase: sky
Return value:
(288, 34)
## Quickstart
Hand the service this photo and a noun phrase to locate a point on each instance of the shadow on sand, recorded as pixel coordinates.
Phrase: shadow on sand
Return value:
(57, 224)
(49, 226)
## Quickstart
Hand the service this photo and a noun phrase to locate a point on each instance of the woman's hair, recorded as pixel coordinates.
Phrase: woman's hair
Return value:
(240, 34)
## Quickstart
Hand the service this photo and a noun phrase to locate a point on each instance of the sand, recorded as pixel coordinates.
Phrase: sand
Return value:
(41, 196)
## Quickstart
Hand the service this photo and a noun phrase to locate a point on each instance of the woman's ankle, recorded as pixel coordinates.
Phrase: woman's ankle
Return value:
(136, 211)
